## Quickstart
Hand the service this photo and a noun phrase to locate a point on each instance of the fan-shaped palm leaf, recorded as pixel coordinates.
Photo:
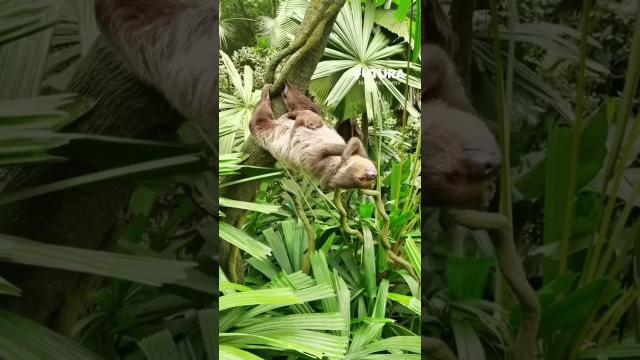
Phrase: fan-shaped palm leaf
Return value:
(357, 45)
(236, 108)
(282, 29)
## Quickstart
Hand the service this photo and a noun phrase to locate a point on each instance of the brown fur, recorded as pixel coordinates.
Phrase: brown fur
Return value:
(461, 157)
(170, 45)
(320, 153)
(294, 99)
(301, 109)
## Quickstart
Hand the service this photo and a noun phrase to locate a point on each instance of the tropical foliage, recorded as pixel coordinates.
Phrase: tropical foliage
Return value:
(570, 132)
(352, 304)
(148, 298)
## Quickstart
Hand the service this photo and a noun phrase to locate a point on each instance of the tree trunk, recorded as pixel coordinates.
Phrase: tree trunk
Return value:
(80, 217)
(230, 258)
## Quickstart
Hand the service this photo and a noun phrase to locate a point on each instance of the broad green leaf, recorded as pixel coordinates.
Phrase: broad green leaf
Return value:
(50, 112)
(413, 254)
(344, 303)
(311, 343)
(146, 270)
(629, 349)
(258, 297)
(558, 158)
(395, 344)
(243, 241)
(250, 206)
(467, 277)
(149, 169)
(468, 344)
(207, 319)
(6, 288)
(160, 346)
(571, 310)
(409, 302)
(313, 321)
(231, 353)
(277, 244)
(21, 18)
(323, 276)
(23, 339)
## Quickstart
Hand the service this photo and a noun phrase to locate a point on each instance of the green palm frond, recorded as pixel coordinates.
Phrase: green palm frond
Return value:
(236, 109)
(356, 46)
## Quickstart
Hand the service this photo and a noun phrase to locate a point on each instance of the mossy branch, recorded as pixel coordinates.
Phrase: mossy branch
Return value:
(312, 34)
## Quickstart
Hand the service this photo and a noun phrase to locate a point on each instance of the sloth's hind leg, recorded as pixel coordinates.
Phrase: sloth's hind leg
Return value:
(265, 92)
(263, 114)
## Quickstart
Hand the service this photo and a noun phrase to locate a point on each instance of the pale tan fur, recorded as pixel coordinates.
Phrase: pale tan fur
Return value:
(461, 158)
(170, 44)
(320, 153)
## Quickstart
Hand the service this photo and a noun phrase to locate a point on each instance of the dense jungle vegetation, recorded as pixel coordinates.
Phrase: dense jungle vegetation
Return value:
(352, 302)
(107, 203)
(558, 80)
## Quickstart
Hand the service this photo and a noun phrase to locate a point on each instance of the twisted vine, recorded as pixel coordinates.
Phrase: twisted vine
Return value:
(512, 271)
(384, 232)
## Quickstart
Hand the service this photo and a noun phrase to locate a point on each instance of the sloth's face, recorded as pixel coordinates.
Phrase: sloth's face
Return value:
(357, 172)
(461, 159)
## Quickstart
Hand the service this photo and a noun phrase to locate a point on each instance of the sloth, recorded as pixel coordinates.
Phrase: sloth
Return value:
(169, 45)
(318, 152)
(461, 157)
(301, 109)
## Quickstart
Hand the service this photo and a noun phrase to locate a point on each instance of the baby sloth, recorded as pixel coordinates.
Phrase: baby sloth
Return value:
(318, 152)
(301, 109)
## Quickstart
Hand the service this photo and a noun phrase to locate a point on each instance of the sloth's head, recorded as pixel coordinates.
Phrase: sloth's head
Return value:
(294, 99)
(356, 172)
(355, 169)
(461, 158)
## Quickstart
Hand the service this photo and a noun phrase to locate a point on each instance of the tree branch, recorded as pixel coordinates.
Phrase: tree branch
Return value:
(512, 271)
